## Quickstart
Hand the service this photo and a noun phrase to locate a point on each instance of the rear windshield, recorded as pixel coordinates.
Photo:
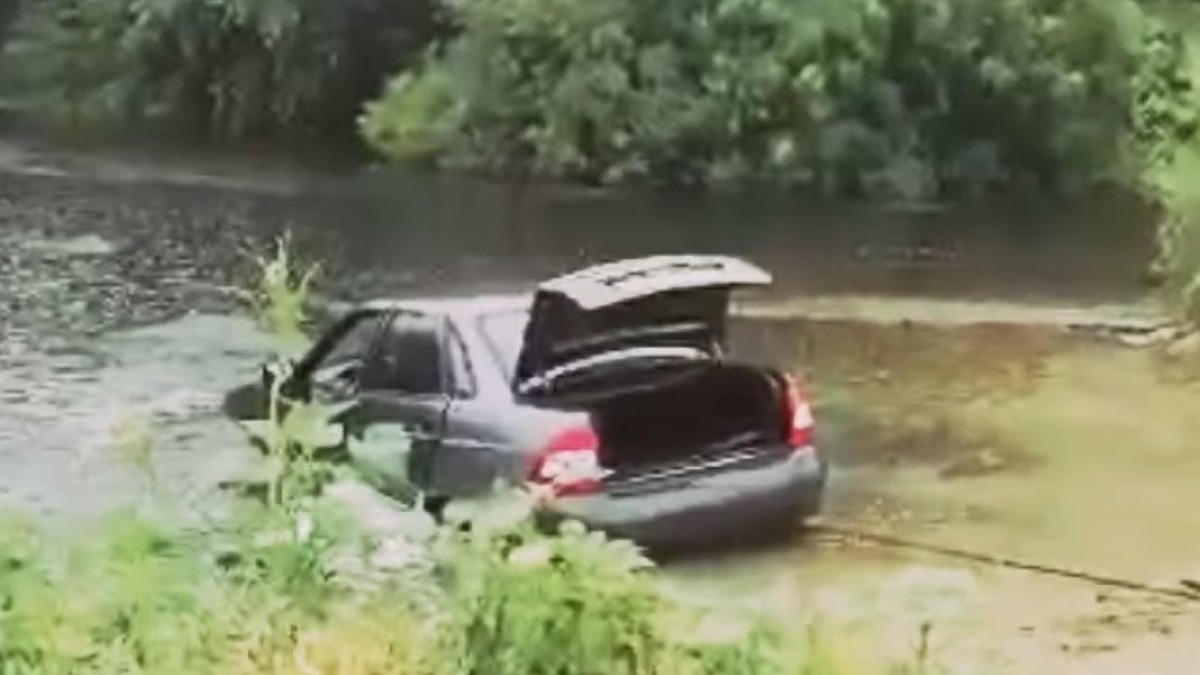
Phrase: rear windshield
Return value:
(504, 333)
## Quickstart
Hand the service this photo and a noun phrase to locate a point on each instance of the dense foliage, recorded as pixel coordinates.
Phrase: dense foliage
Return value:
(886, 97)
(226, 68)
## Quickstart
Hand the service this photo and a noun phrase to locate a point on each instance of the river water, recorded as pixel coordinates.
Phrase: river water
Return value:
(117, 299)
(115, 288)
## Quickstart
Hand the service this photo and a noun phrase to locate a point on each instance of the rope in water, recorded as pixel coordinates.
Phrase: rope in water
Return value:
(1188, 589)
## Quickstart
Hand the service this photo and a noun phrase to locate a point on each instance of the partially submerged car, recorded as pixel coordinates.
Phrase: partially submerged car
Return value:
(609, 389)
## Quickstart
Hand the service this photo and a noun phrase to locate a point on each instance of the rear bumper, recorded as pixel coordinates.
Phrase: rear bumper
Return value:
(708, 509)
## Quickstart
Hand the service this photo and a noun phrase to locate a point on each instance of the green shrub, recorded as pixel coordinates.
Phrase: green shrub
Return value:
(567, 606)
(1175, 185)
(417, 117)
(1168, 117)
(223, 68)
(890, 97)
(578, 603)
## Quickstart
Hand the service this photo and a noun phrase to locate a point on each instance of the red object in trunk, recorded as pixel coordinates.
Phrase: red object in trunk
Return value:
(570, 463)
(797, 415)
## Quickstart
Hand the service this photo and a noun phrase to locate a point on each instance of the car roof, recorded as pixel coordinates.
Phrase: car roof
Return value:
(458, 307)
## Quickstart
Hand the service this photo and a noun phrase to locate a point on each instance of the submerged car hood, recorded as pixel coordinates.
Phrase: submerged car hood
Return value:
(638, 316)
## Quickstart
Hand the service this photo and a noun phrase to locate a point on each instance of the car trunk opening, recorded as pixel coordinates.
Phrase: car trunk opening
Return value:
(705, 415)
(640, 321)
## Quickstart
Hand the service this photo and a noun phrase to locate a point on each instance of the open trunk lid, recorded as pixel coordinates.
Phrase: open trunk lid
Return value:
(628, 325)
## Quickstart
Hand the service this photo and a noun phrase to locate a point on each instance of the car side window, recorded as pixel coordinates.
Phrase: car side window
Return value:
(409, 358)
(354, 344)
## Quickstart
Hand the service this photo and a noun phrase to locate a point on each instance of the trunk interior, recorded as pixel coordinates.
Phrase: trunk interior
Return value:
(723, 407)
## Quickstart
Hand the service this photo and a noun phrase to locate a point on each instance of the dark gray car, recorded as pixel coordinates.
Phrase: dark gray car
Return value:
(608, 388)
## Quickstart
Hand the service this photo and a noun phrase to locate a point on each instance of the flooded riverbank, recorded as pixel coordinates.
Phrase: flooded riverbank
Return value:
(118, 299)
(100, 267)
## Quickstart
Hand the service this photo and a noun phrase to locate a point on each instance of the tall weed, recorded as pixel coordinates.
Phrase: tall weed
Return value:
(280, 296)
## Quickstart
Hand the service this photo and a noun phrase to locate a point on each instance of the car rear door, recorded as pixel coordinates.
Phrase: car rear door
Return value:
(482, 443)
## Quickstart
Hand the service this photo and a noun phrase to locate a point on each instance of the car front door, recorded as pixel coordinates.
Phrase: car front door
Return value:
(402, 401)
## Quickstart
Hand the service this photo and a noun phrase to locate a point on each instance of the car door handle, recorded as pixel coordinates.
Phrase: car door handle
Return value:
(424, 431)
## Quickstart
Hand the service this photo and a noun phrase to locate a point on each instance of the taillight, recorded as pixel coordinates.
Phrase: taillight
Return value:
(570, 463)
(798, 416)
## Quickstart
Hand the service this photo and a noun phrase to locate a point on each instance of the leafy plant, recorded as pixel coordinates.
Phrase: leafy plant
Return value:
(280, 298)
(521, 600)
(294, 431)
(291, 439)
(529, 604)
